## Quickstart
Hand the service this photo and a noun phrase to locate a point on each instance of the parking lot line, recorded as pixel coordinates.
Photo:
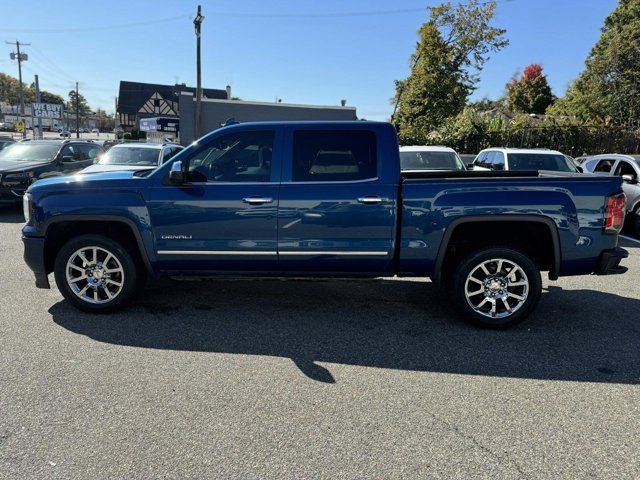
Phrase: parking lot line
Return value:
(631, 239)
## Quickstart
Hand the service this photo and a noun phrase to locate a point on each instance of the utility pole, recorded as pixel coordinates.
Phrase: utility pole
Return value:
(39, 137)
(77, 113)
(20, 57)
(197, 22)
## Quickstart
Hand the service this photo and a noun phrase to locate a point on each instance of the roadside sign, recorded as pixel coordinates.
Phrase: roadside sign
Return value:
(20, 126)
(47, 110)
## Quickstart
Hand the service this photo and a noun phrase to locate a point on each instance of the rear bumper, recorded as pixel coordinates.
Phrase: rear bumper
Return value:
(609, 262)
(34, 258)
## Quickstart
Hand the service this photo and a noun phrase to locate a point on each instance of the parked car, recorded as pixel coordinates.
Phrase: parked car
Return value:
(321, 199)
(6, 141)
(628, 168)
(467, 158)
(430, 158)
(499, 159)
(134, 156)
(22, 163)
(96, 131)
(65, 134)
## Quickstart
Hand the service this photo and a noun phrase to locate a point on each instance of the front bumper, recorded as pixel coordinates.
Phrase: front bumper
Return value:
(11, 194)
(34, 258)
(609, 262)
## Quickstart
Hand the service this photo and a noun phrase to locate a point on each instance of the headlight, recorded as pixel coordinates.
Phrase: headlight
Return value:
(27, 206)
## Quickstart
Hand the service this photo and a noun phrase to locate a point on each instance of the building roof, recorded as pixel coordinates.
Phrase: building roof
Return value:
(133, 96)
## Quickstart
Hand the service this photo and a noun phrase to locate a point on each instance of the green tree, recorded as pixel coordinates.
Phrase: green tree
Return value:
(83, 106)
(485, 104)
(531, 92)
(48, 97)
(453, 46)
(9, 92)
(608, 90)
(106, 122)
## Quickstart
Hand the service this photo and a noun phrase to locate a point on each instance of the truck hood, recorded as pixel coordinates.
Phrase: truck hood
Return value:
(13, 166)
(116, 168)
(97, 180)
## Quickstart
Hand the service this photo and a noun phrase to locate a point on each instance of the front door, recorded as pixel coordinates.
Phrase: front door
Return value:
(335, 214)
(224, 218)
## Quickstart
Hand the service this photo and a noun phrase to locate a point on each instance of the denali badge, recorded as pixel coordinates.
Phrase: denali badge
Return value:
(176, 237)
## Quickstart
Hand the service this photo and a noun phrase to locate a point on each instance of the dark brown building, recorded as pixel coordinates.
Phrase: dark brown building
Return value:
(138, 100)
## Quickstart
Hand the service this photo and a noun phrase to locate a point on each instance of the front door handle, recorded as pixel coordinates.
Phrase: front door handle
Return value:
(370, 200)
(257, 200)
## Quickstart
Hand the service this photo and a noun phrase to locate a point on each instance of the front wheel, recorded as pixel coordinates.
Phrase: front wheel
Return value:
(496, 287)
(95, 273)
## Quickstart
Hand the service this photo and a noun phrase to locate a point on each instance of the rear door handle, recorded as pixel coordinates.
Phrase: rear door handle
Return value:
(257, 200)
(370, 200)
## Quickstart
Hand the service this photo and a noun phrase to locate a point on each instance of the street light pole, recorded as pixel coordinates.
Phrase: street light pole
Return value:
(197, 22)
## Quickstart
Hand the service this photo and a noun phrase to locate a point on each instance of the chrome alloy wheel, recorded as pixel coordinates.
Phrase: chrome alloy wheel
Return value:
(94, 274)
(497, 288)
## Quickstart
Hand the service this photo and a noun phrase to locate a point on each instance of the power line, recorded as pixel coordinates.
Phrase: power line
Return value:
(97, 28)
(220, 14)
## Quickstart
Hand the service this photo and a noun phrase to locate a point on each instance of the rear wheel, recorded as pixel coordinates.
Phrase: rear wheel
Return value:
(496, 287)
(96, 274)
(635, 219)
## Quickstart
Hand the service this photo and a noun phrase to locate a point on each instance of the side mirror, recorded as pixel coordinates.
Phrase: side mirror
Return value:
(176, 174)
(67, 158)
(629, 179)
(470, 166)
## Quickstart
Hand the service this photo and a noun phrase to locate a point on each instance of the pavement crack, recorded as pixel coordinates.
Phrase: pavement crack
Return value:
(501, 459)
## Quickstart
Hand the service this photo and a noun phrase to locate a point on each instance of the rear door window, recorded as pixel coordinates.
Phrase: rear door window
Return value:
(625, 168)
(334, 156)
(540, 161)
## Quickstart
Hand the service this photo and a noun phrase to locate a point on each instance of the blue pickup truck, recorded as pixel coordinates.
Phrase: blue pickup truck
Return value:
(321, 199)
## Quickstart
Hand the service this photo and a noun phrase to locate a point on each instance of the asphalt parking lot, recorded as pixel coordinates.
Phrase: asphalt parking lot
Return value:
(316, 379)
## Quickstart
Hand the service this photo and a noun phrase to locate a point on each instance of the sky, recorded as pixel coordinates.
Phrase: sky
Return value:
(300, 51)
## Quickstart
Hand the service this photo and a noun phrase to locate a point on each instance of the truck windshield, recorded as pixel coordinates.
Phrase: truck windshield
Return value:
(26, 152)
(540, 161)
(430, 161)
(131, 156)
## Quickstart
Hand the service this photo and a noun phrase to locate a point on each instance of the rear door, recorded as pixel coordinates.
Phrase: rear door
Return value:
(336, 211)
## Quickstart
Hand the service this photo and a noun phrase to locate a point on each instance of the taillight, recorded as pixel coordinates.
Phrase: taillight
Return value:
(614, 214)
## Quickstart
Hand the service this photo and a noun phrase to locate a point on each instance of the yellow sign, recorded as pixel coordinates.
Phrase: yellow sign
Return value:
(20, 126)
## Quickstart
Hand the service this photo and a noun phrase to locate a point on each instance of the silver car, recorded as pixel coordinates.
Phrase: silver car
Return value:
(627, 167)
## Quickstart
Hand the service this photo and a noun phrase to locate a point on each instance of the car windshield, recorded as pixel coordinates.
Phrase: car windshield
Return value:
(130, 156)
(430, 161)
(540, 161)
(29, 152)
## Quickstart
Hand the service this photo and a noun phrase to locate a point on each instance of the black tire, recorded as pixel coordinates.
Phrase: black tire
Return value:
(129, 278)
(481, 316)
(635, 222)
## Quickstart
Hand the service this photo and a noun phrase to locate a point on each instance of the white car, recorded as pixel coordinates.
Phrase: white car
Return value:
(429, 158)
(520, 159)
(627, 167)
(95, 130)
(133, 156)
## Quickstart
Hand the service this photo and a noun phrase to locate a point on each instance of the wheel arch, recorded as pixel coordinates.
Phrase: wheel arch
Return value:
(550, 225)
(98, 224)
